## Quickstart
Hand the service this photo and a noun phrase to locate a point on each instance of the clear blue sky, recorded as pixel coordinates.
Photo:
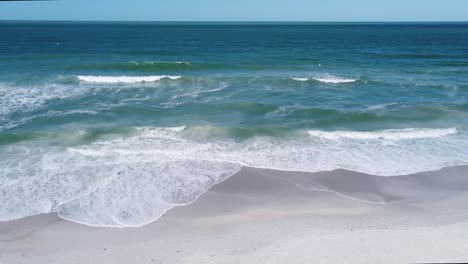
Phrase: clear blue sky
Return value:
(238, 10)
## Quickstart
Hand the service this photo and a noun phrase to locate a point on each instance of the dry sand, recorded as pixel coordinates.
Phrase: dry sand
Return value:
(264, 216)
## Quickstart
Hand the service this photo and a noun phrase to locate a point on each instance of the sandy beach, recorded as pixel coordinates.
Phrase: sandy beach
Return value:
(265, 216)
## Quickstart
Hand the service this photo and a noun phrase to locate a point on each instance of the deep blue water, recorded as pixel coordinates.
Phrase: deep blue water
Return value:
(91, 110)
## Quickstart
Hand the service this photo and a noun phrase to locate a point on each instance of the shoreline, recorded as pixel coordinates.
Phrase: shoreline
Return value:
(266, 216)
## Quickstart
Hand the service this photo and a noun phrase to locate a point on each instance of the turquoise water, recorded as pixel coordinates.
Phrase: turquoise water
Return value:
(112, 124)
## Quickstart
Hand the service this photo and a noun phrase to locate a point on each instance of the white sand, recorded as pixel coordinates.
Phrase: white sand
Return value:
(261, 216)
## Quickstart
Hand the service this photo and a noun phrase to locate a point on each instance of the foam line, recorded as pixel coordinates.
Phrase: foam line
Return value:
(125, 79)
(396, 134)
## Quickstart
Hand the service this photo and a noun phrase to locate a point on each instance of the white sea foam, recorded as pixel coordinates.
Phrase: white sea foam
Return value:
(192, 95)
(160, 62)
(196, 92)
(125, 79)
(24, 99)
(396, 134)
(300, 79)
(381, 106)
(326, 79)
(334, 80)
(133, 180)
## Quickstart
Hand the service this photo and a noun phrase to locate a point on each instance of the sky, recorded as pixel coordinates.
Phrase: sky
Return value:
(237, 10)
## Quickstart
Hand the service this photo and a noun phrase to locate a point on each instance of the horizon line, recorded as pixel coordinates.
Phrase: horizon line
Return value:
(242, 21)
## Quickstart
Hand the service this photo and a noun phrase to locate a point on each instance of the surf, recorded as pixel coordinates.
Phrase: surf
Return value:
(391, 134)
(125, 79)
(328, 79)
(134, 178)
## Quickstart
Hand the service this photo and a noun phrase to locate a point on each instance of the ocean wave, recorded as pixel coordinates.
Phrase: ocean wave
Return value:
(300, 79)
(326, 79)
(378, 116)
(196, 92)
(132, 179)
(334, 80)
(382, 106)
(125, 79)
(149, 66)
(395, 134)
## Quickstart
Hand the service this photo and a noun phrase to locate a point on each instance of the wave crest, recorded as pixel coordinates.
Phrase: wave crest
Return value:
(334, 80)
(394, 134)
(326, 79)
(300, 79)
(125, 79)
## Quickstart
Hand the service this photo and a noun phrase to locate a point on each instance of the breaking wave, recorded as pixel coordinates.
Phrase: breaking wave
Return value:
(334, 80)
(326, 79)
(396, 134)
(131, 179)
(125, 79)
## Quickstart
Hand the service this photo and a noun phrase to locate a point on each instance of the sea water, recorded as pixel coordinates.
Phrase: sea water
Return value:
(113, 124)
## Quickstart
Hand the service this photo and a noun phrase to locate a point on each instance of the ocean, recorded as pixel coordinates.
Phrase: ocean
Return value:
(111, 124)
